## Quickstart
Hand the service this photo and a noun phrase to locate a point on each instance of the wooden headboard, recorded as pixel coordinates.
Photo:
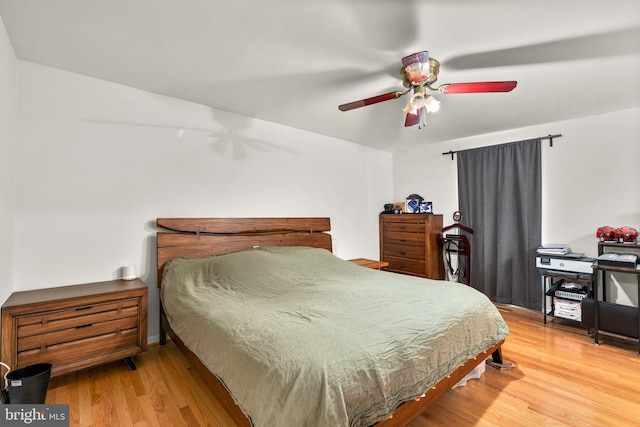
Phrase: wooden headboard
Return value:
(202, 237)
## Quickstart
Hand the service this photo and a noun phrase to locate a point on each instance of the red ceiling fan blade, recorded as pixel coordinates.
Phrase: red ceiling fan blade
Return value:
(412, 119)
(369, 101)
(478, 87)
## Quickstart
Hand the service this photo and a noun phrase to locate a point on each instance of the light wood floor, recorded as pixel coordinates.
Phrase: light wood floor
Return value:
(561, 379)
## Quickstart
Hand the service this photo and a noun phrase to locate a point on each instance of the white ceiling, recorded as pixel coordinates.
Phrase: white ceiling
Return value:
(294, 61)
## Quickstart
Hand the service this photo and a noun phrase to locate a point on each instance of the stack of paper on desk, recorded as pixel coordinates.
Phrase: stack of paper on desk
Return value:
(553, 249)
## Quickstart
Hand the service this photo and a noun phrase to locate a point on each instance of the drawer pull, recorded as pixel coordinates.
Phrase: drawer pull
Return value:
(84, 326)
(83, 308)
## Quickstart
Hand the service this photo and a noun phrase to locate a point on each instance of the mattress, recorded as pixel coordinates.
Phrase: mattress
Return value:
(301, 337)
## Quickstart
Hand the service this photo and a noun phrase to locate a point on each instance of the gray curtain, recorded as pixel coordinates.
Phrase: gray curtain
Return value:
(499, 191)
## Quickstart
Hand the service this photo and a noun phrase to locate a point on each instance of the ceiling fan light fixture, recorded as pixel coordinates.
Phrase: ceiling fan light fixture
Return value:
(417, 100)
(409, 108)
(431, 104)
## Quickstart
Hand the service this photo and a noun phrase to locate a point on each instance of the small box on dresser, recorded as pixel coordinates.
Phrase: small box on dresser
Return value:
(75, 327)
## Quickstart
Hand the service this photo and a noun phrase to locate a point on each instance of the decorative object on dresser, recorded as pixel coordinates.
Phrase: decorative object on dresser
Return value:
(410, 246)
(413, 203)
(75, 327)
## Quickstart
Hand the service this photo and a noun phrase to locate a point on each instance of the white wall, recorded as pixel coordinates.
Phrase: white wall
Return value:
(7, 137)
(590, 179)
(97, 163)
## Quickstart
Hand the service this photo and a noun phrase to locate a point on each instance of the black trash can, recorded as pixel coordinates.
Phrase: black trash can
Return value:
(29, 384)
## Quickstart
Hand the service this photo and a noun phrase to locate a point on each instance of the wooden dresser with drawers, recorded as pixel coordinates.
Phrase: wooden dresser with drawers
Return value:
(408, 243)
(74, 327)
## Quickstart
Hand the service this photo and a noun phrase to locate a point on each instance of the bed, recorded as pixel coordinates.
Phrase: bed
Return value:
(293, 335)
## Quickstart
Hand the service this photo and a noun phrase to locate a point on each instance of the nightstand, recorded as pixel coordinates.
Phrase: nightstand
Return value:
(75, 327)
(369, 263)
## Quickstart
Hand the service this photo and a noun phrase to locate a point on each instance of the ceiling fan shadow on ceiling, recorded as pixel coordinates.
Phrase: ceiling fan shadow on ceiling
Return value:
(591, 46)
(418, 73)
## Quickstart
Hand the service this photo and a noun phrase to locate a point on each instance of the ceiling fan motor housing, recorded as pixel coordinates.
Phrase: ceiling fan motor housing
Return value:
(416, 67)
(434, 69)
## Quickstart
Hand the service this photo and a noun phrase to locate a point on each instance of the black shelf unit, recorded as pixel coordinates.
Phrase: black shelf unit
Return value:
(603, 269)
(548, 280)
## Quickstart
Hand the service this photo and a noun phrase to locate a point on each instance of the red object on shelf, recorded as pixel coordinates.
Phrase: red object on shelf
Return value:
(606, 233)
(626, 234)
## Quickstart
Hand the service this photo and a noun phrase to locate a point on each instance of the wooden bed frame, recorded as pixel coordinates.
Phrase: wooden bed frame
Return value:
(202, 237)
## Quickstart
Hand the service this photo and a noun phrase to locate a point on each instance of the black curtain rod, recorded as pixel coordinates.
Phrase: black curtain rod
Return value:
(549, 137)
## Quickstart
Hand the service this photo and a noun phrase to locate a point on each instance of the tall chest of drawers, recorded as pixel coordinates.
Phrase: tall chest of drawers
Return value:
(408, 243)
(75, 327)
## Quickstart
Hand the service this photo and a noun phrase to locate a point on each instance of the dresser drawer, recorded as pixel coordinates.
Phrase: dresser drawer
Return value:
(408, 266)
(85, 330)
(59, 336)
(404, 237)
(77, 317)
(67, 352)
(401, 249)
(406, 227)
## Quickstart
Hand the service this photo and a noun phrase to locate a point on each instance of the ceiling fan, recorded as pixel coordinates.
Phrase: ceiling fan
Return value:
(418, 73)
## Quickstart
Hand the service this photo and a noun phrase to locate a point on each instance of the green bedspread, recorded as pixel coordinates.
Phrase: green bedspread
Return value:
(302, 338)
